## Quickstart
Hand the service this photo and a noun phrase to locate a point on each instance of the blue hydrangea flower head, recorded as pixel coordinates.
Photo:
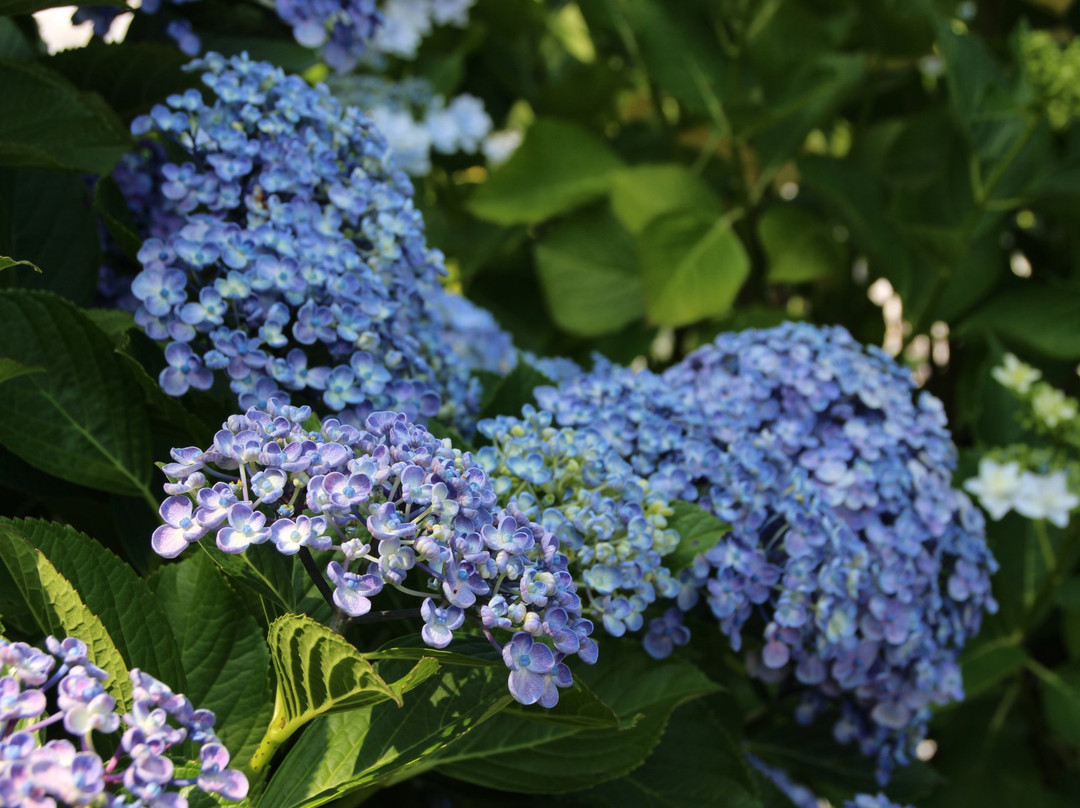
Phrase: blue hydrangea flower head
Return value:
(385, 505)
(612, 526)
(285, 253)
(871, 570)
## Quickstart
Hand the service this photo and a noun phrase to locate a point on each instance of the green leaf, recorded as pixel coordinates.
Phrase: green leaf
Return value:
(48, 123)
(507, 751)
(812, 95)
(14, 43)
(989, 664)
(692, 267)
(678, 48)
(698, 530)
(114, 323)
(1041, 318)
(799, 247)
(513, 391)
(855, 198)
(640, 194)
(1061, 700)
(979, 95)
(578, 708)
(588, 272)
(560, 166)
(58, 610)
(130, 76)
(47, 217)
(712, 768)
(112, 591)
(10, 369)
(224, 651)
(318, 673)
(75, 420)
(383, 744)
(271, 575)
(8, 263)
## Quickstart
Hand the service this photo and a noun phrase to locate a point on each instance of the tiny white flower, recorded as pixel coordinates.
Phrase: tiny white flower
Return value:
(1016, 375)
(1045, 496)
(1052, 407)
(996, 486)
(499, 146)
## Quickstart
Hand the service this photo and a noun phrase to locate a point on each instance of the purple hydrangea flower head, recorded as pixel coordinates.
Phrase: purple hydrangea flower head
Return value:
(385, 504)
(40, 773)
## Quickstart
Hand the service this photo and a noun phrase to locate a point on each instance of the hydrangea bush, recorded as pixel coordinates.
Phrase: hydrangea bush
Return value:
(556, 463)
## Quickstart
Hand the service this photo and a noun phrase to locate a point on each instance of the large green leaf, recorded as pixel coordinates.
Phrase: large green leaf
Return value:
(640, 194)
(506, 751)
(698, 530)
(47, 217)
(798, 245)
(273, 576)
(692, 268)
(223, 648)
(75, 420)
(318, 673)
(130, 76)
(560, 166)
(113, 592)
(1042, 318)
(48, 123)
(588, 272)
(382, 744)
(58, 610)
(711, 769)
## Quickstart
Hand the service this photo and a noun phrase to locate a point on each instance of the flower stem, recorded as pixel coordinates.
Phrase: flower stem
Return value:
(316, 576)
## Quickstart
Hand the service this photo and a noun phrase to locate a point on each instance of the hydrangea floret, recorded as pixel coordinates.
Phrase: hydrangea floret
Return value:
(386, 505)
(415, 119)
(285, 252)
(61, 688)
(871, 571)
(342, 29)
(613, 528)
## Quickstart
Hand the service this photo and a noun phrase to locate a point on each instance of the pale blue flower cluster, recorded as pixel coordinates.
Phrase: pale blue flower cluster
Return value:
(406, 23)
(61, 687)
(870, 570)
(472, 334)
(285, 252)
(416, 120)
(612, 527)
(342, 29)
(386, 504)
